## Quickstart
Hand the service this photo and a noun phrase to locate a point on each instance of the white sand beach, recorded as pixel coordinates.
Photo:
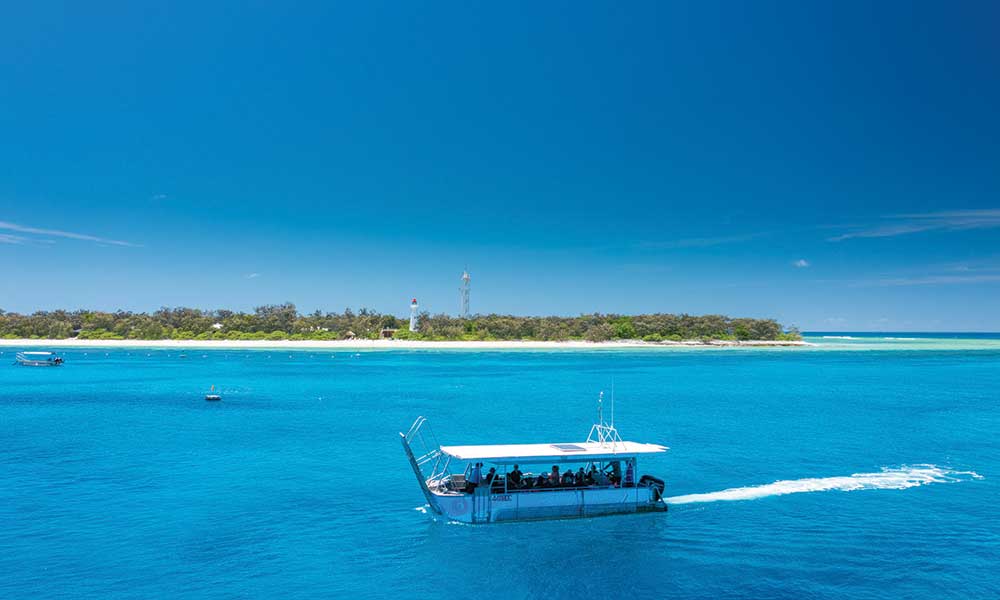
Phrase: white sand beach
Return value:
(387, 344)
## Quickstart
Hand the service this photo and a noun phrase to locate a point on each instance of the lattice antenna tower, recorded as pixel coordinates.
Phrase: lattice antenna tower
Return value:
(464, 293)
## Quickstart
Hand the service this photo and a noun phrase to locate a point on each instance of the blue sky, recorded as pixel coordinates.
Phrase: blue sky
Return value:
(832, 165)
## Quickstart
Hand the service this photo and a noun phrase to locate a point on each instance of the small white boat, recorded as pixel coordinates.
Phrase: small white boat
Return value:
(38, 359)
(603, 477)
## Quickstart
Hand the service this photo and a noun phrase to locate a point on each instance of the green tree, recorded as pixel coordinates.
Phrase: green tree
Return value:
(624, 329)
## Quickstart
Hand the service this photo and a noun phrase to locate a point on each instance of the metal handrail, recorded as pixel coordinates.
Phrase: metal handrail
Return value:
(421, 430)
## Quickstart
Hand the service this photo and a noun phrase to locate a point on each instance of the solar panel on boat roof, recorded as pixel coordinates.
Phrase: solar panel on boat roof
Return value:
(569, 447)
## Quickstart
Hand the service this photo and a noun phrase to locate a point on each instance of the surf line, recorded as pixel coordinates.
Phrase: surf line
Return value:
(889, 478)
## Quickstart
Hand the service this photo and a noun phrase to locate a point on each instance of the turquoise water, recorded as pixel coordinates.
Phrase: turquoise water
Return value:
(117, 480)
(902, 341)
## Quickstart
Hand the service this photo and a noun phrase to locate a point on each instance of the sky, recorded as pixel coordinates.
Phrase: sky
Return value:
(833, 165)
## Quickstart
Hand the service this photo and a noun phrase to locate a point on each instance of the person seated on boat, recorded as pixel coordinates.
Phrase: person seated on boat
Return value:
(514, 477)
(475, 476)
(491, 475)
(581, 478)
(567, 478)
(600, 478)
(590, 480)
(541, 481)
(554, 478)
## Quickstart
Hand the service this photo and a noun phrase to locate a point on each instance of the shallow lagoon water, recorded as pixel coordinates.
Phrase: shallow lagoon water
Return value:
(118, 480)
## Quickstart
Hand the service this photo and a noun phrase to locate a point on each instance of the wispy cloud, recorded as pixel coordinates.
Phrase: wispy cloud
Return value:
(905, 224)
(6, 238)
(934, 280)
(703, 242)
(253, 275)
(60, 234)
(985, 264)
(801, 263)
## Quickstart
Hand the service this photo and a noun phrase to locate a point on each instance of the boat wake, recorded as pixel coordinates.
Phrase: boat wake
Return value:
(899, 478)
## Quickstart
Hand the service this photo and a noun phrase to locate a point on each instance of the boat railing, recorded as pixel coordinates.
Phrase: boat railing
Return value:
(502, 485)
(427, 452)
(561, 488)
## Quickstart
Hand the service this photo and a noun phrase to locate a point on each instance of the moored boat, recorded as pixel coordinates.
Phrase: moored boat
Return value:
(38, 359)
(605, 480)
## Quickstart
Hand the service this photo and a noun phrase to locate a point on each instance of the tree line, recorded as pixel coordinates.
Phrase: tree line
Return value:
(283, 321)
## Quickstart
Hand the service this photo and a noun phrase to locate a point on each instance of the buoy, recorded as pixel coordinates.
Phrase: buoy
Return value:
(213, 397)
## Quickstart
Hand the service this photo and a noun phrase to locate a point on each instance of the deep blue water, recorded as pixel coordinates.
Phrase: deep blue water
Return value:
(117, 480)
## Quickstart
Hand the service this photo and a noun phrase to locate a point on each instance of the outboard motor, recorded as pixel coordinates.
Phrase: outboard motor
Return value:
(655, 483)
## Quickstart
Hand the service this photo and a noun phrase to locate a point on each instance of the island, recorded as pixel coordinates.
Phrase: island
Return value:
(284, 324)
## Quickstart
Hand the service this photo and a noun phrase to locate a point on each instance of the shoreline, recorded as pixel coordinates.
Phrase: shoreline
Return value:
(389, 344)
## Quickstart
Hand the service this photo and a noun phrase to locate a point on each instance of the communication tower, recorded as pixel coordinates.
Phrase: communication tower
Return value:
(464, 291)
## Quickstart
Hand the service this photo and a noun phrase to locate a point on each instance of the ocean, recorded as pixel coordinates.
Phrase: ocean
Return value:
(855, 469)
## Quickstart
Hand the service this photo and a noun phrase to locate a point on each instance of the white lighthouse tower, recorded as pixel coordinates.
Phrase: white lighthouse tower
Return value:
(413, 315)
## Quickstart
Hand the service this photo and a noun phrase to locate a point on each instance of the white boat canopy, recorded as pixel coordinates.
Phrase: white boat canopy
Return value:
(36, 353)
(551, 453)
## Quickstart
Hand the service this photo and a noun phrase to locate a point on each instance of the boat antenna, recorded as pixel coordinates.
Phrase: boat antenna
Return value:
(601, 432)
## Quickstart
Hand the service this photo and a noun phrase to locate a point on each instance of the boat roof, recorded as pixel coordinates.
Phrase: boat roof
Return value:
(36, 353)
(567, 452)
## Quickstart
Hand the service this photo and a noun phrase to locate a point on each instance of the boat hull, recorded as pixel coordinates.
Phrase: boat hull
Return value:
(545, 504)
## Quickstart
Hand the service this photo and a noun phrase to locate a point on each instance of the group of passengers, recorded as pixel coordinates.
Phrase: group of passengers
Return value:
(516, 480)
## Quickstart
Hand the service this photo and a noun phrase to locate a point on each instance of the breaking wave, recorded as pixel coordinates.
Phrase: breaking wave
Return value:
(898, 478)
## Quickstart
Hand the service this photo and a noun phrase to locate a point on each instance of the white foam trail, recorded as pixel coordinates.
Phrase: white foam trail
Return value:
(839, 337)
(899, 478)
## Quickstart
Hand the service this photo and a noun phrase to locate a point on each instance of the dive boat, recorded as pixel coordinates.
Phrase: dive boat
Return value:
(604, 483)
(38, 359)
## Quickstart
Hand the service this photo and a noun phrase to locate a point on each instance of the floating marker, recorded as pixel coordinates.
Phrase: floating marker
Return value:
(213, 397)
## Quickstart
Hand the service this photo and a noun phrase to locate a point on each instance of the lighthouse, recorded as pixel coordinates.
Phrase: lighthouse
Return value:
(413, 315)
